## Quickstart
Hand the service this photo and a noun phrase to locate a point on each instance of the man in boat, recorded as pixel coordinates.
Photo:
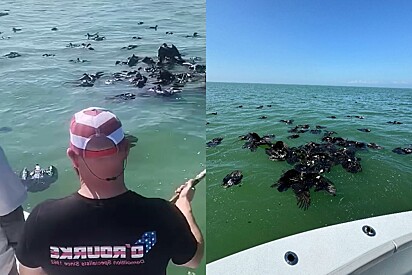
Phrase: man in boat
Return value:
(12, 195)
(104, 228)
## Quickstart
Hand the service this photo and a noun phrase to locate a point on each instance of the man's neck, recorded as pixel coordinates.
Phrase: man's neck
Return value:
(102, 190)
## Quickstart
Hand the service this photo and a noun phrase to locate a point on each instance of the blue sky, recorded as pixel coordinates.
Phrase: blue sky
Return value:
(329, 42)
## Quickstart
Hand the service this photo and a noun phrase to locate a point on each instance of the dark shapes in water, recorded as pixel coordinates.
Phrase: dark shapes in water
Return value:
(293, 136)
(131, 61)
(91, 36)
(253, 141)
(198, 68)
(148, 61)
(99, 38)
(140, 23)
(294, 155)
(314, 163)
(195, 34)
(54, 29)
(78, 60)
(158, 90)
(360, 117)
(352, 165)
(169, 33)
(165, 77)
(87, 80)
(290, 121)
(292, 179)
(320, 127)
(130, 47)
(322, 183)
(269, 105)
(91, 77)
(355, 144)
(328, 138)
(125, 96)
(132, 140)
(16, 29)
(154, 28)
(207, 123)
(344, 142)
(214, 142)
(170, 54)
(194, 59)
(374, 146)
(38, 179)
(259, 107)
(278, 151)
(84, 45)
(5, 129)
(301, 183)
(3, 13)
(240, 106)
(402, 151)
(112, 81)
(214, 113)
(136, 37)
(297, 129)
(394, 122)
(263, 117)
(366, 130)
(86, 83)
(311, 160)
(141, 82)
(331, 117)
(12, 55)
(71, 45)
(316, 132)
(48, 54)
(305, 126)
(329, 133)
(234, 178)
(321, 157)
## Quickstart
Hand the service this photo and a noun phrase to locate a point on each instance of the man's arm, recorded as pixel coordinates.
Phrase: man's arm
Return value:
(186, 193)
(29, 250)
(24, 270)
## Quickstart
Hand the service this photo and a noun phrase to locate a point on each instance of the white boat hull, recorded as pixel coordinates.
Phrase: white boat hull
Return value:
(339, 249)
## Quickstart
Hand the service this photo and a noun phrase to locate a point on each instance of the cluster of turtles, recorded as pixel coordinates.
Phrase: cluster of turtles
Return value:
(163, 75)
(310, 160)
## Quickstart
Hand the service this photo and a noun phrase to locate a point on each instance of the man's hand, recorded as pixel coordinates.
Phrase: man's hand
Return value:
(186, 191)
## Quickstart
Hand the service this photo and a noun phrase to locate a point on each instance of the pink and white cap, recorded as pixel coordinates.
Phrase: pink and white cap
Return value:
(95, 122)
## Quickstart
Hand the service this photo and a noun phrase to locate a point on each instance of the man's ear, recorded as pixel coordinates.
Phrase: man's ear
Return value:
(127, 148)
(73, 157)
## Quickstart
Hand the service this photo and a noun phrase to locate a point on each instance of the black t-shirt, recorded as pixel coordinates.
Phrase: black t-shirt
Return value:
(126, 234)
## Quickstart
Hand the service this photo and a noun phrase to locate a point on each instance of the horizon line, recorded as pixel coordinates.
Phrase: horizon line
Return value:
(232, 82)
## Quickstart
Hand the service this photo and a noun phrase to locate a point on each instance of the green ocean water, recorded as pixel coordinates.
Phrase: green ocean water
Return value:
(38, 100)
(244, 216)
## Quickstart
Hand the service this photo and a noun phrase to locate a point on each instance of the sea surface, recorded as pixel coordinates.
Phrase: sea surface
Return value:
(253, 213)
(39, 94)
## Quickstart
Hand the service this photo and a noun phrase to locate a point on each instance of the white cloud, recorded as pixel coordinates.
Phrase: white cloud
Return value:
(362, 82)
